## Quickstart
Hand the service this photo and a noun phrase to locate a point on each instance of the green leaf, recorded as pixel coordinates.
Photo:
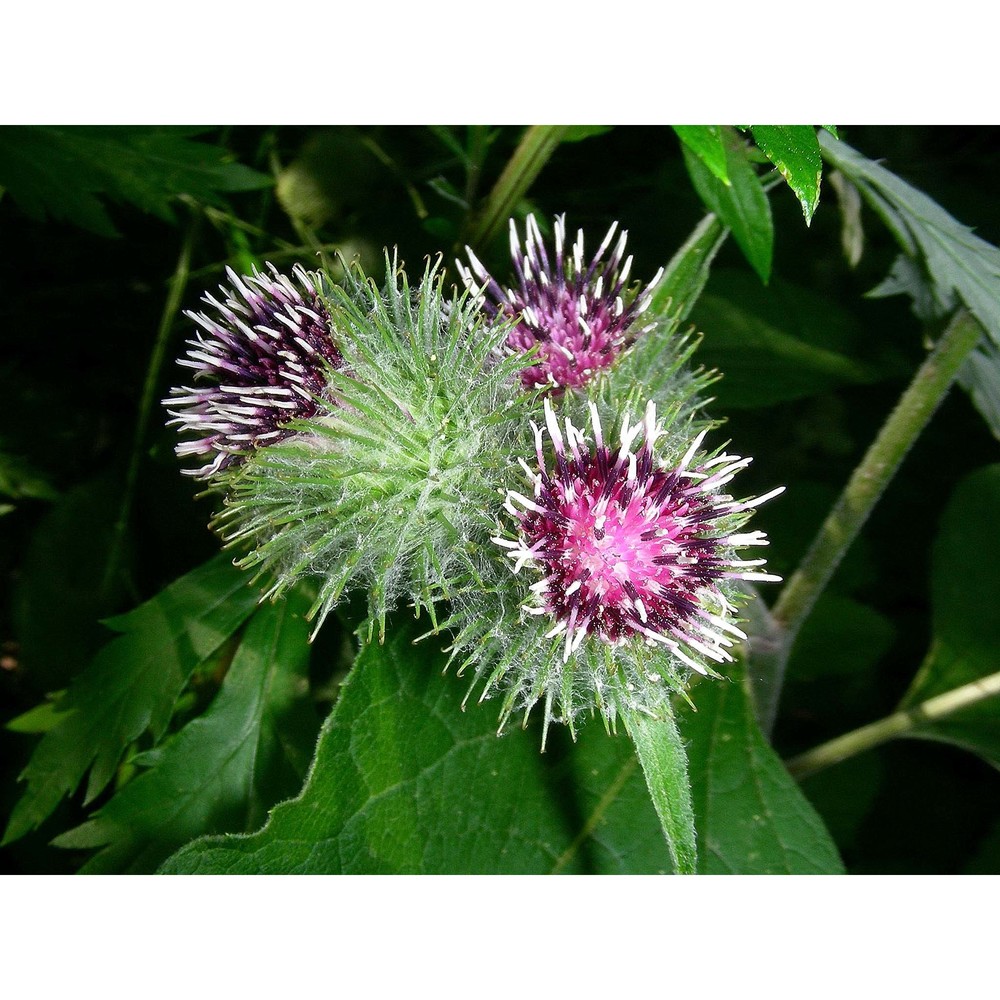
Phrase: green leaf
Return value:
(794, 150)
(957, 261)
(226, 768)
(706, 142)
(620, 833)
(965, 595)
(39, 719)
(980, 377)
(20, 480)
(661, 753)
(577, 133)
(742, 205)
(56, 607)
(65, 172)
(131, 686)
(404, 781)
(751, 816)
(841, 637)
(777, 344)
(686, 274)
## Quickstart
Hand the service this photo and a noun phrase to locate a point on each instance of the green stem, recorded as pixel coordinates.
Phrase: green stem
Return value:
(175, 294)
(898, 724)
(872, 476)
(537, 145)
(660, 750)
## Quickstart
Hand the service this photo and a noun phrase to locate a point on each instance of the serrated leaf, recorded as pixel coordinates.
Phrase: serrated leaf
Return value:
(794, 150)
(775, 345)
(66, 171)
(39, 719)
(742, 205)
(980, 377)
(131, 686)
(956, 260)
(706, 142)
(965, 596)
(226, 768)
(404, 781)
(751, 816)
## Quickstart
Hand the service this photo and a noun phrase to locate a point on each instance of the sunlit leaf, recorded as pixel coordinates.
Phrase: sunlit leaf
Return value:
(226, 768)
(742, 205)
(131, 686)
(706, 142)
(404, 781)
(66, 172)
(794, 150)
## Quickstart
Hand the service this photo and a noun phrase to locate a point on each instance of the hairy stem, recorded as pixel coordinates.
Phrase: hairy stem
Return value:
(537, 144)
(901, 723)
(866, 485)
(661, 753)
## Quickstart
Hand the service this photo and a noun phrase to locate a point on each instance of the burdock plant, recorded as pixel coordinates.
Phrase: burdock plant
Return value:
(376, 440)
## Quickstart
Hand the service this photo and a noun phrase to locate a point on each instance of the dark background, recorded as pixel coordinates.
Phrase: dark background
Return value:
(78, 319)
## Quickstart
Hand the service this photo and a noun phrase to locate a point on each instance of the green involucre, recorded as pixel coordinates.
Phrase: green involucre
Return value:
(393, 486)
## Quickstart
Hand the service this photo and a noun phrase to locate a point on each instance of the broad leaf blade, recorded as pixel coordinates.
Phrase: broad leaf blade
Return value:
(226, 768)
(965, 593)
(404, 781)
(794, 150)
(742, 205)
(131, 686)
(706, 142)
(751, 816)
(65, 172)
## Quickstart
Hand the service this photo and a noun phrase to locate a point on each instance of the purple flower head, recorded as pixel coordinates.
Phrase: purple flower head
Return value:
(628, 549)
(260, 362)
(572, 311)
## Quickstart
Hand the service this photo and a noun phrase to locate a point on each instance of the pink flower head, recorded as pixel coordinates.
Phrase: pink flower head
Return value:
(627, 549)
(260, 361)
(572, 311)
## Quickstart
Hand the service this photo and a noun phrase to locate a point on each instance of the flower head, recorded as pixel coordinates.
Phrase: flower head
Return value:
(574, 312)
(629, 550)
(260, 359)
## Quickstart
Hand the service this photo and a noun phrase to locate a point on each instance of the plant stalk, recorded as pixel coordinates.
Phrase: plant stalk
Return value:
(901, 723)
(872, 476)
(537, 145)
